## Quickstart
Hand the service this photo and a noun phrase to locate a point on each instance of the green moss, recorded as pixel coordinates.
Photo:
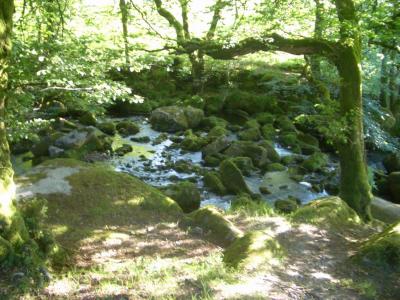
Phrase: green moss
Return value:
(216, 228)
(245, 205)
(328, 211)
(193, 142)
(108, 128)
(253, 250)
(216, 132)
(381, 250)
(286, 206)
(315, 162)
(275, 167)
(232, 178)
(213, 182)
(186, 194)
(127, 128)
(5, 249)
(268, 131)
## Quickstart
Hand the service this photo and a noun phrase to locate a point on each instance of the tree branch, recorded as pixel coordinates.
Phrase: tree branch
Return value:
(218, 6)
(171, 20)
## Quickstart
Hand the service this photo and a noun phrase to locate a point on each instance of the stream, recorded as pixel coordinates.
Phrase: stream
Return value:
(150, 162)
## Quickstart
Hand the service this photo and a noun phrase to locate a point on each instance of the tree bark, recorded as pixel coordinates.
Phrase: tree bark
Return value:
(124, 19)
(384, 93)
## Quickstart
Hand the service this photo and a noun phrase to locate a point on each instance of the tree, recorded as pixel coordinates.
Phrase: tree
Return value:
(345, 54)
(124, 19)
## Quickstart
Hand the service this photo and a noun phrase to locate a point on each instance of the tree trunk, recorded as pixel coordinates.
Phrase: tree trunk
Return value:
(315, 61)
(13, 232)
(197, 62)
(354, 185)
(124, 19)
(384, 93)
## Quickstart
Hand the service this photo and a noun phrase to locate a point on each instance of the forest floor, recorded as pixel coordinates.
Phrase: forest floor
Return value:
(120, 249)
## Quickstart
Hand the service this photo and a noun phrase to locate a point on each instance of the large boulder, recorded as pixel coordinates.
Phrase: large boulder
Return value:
(250, 134)
(272, 154)
(127, 127)
(382, 250)
(254, 249)
(217, 146)
(258, 154)
(328, 211)
(394, 186)
(176, 118)
(78, 138)
(315, 162)
(212, 181)
(193, 142)
(232, 178)
(215, 227)
(186, 194)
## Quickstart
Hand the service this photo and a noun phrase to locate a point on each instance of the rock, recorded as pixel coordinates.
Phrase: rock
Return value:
(268, 131)
(258, 154)
(237, 116)
(55, 108)
(264, 190)
(215, 227)
(272, 154)
(192, 142)
(275, 167)
(327, 212)
(245, 164)
(41, 148)
(108, 128)
(394, 186)
(212, 161)
(385, 211)
(141, 139)
(215, 147)
(232, 178)
(127, 127)
(265, 118)
(124, 149)
(175, 118)
(286, 206)
(210, 122)
(254, 249)
(290, 140)
(285, 124)
(185, 194)
(87, 118)
(315, 162)
(252, 123)
(392, 162)
(55, 151)
(250, 134)
(128, 108)
(64, 125)
(217, 132)
(212, 181)
(381, 251)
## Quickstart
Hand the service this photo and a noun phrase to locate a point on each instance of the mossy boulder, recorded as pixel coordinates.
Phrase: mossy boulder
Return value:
(54, 108)
(215, 226)
(285, 124)
(212, 181)
(265, 118)
(127, 127)
(286, 206)
(217, 132)
(41, 148)
(258, 154)
(252, 123)
(268, 131)
(328, 211)
(272, 154)
(212, 121)
(245, 164)
(315, 162)
(381, 250)
(290, 140)
(186, 194)
(108, 128)
(232, 178)
(275, 167)
(250, 134)
(254, 249)
(176, 118)
(124, 149)
(192, 142)
(88, 118)
(216, 146)
(212, 161)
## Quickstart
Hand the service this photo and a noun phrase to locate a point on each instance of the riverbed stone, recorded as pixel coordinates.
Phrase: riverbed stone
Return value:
(245, 164)
(186, 194)
(108, 128)
(286, 206)
(232, 178)
(88, 118)
(214, 225)
(192, 142)
(217, 146)
(124, 149)
(275, 167)
(212, 181)
(268, 131)
(250, 134)
(176, 118)
(127, 127)
(217, 132)
(258, 154)
(272, 154)
(316, 162)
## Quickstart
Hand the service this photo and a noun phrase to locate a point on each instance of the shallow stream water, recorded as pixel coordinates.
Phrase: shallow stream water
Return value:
(148, 161)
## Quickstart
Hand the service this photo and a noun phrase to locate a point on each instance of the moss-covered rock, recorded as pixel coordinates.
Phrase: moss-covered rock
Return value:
(250, 134)
(275, 167)
(245, 164)
(268, 131)
(315, 162)
(253, 250)
(192, 142)
(328, 211)
(107, 128)
(186, 194)
(212, 161)
(285, 124)
(216, 146)
(272, 154)
(258, 154)
(124, 149)
(215, 226)
(286, 206)
(217, 132)
(381, 250)
(213, 182)
(212, 121)
(265, 118)
(127, 127)
(232, 178)
(176, 118)
(88, 118)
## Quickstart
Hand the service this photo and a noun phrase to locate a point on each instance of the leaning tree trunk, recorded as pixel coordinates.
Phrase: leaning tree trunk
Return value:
(124, 19)
(354, 185)
(197, 63)
(13, 232)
